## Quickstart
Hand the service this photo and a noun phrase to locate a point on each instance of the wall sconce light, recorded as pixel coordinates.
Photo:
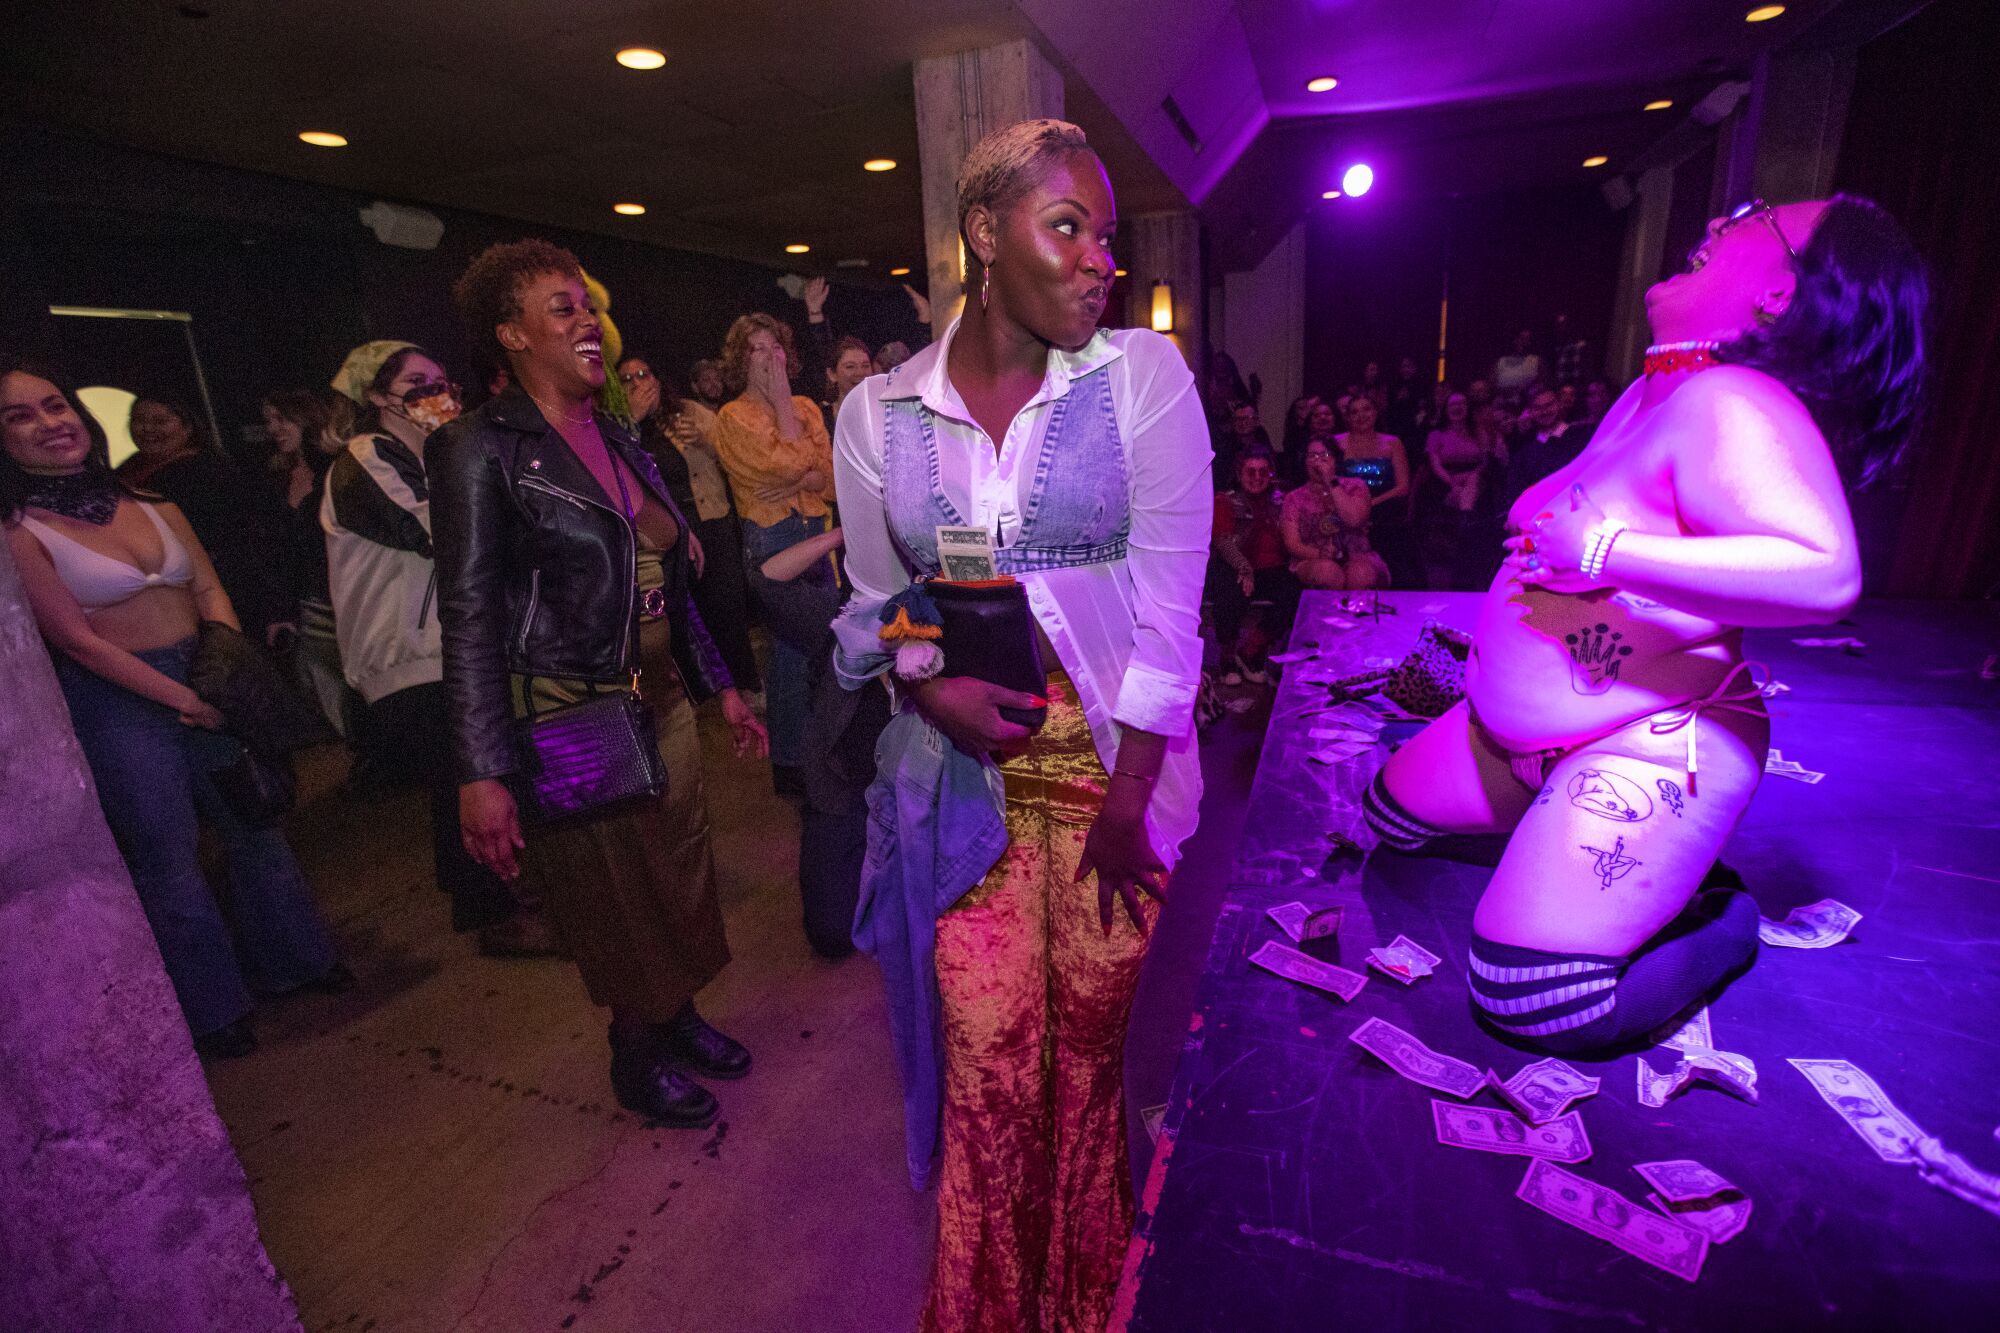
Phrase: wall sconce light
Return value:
(1163, 307)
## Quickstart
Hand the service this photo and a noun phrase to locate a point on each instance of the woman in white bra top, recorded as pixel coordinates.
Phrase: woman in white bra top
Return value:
(119, 587)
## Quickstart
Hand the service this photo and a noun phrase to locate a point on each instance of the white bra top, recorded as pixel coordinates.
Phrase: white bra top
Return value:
(97, 580)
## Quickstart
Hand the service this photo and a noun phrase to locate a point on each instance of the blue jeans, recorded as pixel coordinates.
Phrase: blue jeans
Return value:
(797, 613)
(152, 780)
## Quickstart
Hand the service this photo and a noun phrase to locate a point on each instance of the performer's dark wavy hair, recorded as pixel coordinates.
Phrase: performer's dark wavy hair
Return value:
(1851, 343)
(14, 480)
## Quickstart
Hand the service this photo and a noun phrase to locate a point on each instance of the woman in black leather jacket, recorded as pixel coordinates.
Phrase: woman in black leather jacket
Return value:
(562, 571)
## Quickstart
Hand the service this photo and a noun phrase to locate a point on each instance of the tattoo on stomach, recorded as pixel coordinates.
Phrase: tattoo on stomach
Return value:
(1597, 654)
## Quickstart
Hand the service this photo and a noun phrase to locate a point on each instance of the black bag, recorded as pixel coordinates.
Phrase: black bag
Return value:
(261, 707)
(259, 790)
(989, 634)
(584, 756)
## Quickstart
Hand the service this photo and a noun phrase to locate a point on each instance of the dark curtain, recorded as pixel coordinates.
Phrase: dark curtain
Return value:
(1923, 139)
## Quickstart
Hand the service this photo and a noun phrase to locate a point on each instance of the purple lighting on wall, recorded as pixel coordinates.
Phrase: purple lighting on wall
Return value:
(1357, 180)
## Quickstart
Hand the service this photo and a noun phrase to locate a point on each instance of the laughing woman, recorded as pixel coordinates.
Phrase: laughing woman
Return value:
(562, 576)
(1084, 454)
(1607, 664)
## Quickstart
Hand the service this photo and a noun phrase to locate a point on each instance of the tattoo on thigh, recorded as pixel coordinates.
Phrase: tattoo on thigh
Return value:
(1670, 792)
(1609, 796)
(1611, 864)
(1548, 791)
(1597, 654)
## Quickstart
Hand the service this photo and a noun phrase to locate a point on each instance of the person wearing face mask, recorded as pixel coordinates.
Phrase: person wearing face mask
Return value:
(774, 445)
(119, 585)
(383, 578)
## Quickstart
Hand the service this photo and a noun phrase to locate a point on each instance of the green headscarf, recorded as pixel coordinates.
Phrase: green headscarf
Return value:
(358, 371)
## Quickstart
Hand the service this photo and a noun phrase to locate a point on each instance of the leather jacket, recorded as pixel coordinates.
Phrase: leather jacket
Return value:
(535, 573)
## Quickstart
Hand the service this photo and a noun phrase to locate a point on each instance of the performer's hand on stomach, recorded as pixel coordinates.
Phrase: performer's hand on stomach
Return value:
(967, 710)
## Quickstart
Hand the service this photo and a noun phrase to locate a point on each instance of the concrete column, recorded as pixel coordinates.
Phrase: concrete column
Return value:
(122, 1204)
(1638, 269)
(960, 99)
(1165, 247)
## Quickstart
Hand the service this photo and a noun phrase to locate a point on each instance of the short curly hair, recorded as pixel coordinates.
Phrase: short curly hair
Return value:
(736, 347)
(488, 293)
(1003, 166)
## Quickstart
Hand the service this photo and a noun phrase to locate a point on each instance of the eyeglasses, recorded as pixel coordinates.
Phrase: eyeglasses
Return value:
(633, 376)
(1759, 208)
(416, 393)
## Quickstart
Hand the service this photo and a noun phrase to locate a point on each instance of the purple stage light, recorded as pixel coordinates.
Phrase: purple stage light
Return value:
(1358, 180)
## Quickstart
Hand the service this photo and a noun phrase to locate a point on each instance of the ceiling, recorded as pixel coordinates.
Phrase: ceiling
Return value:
(753, 135)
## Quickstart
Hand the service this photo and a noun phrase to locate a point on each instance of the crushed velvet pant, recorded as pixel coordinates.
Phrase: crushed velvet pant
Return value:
(1034, 1192)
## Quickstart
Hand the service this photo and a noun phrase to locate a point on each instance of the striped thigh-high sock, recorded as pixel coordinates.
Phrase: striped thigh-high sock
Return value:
(1563, 1001)
(1394, 826)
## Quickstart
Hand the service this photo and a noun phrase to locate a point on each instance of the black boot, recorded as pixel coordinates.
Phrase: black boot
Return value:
(687, 1040)
(646, 1086)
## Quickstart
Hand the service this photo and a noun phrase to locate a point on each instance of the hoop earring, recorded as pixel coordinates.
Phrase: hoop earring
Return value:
(985, 286)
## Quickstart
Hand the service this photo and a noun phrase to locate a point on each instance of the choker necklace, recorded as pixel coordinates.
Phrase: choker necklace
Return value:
(1672, 358)
(90, 496)
(588, 417)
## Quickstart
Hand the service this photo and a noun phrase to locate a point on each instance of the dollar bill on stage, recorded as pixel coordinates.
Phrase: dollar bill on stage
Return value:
(1404, 959)
(1415, 1061)
(1306, 923)
(1690, 1193)
(1664, 1242)
(1292, 965)
(1485, 1129)
(1820, 926)
(1727, 1070)
(1544, 1090)
(1864, 1106)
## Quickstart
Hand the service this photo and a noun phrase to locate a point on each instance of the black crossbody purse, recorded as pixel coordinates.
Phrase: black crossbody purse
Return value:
(585, 756)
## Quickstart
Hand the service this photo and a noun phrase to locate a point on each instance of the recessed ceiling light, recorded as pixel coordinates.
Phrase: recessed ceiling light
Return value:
(1119, 273)
(1763, 12)
(641, 57)
(629, 210)
(903, 272)
(795, 248)
(1659, 104)
(879, 164)
(323, 139)
(1596, 161)
(1325, 83)
(1329, 194)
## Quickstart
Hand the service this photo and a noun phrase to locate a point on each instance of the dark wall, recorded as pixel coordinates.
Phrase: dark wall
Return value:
(1376, 269)
(282, 278)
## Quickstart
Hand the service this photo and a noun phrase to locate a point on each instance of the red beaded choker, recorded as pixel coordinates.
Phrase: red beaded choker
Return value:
(1672, 358)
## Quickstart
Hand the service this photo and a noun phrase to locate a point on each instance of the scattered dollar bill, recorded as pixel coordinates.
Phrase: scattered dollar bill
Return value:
(1292, 965)
(1719, 1219)
(1486, 1129)
(1851, 646)
(1404, 959)
(1544, 1090)
(1953, 1174)
(1305, 923)
(1820, 926)
(1415, 1061)
(1865, 1107)
(1152, 1117)
(1663, 1242)
(1774, 688)
(1777, 765)
(1727, 1070)
(1682, 1179)
(1696, 1032)
(965, 554)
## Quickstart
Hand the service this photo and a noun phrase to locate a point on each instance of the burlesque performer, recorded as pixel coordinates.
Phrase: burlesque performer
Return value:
(1611, 722)
(1085, 457)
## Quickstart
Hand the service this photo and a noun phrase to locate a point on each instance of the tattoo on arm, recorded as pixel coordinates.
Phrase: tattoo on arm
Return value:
(1612, 863)
(1670, 792)
(1609, 796)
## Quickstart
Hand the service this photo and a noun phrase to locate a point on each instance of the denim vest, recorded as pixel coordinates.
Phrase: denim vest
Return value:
(1078, 510)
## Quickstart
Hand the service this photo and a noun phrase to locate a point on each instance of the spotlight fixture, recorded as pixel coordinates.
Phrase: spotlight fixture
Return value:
(1596, 160)
(1325, 83)
(641, 57)
(1659, 104)
(902, 272)
(1763, 13)
(795, 248)
(1329, 194)
(629, 210)
(1358, 179)
(879, 164)
(323, 138)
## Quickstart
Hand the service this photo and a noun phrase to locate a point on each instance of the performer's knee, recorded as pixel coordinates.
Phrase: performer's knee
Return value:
(1556, 1001)
(1394, 826)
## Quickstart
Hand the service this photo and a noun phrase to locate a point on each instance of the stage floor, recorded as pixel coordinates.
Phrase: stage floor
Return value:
(1298, 1184)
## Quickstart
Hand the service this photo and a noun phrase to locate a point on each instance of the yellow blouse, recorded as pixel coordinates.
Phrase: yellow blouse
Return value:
(746, 439)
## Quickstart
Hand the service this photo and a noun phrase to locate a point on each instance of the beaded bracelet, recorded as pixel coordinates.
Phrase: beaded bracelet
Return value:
(1599, 549)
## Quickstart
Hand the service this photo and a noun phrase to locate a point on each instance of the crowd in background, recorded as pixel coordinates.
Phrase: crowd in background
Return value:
(1394, 481)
